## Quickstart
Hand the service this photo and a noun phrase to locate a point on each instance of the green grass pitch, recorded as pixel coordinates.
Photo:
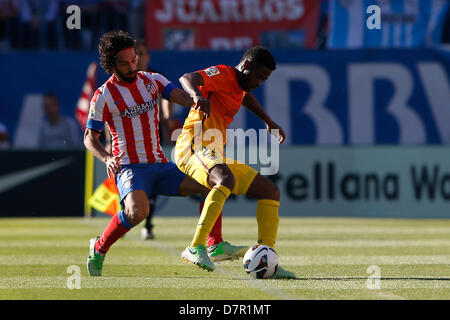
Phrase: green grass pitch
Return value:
(330, 256)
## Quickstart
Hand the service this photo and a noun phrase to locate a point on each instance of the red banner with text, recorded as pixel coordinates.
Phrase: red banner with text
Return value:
(231, 24)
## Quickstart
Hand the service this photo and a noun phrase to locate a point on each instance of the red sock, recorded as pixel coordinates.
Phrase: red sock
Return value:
(112, 233)
(215, 236)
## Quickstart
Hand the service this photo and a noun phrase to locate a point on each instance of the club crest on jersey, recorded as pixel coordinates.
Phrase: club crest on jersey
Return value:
(135, 111)
(212, 71)
(151, 87)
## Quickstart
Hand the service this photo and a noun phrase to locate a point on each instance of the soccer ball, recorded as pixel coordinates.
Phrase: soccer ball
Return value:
(260, 262)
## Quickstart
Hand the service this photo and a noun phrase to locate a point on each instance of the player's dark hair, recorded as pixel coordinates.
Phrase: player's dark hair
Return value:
(110, 44)
(260, 56)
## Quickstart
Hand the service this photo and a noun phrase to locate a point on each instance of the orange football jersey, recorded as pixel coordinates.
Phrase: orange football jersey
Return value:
(222, 89)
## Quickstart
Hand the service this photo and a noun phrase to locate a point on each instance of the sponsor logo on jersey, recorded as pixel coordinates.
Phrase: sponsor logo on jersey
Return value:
(212, 71)
(139, 109)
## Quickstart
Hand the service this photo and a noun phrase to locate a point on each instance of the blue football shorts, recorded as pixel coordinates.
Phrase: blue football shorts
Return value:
(153, 178)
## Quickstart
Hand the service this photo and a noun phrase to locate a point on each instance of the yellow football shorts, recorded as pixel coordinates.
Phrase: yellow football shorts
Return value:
(197, 164)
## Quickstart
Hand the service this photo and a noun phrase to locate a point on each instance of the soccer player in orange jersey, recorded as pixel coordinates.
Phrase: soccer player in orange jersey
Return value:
(218, 249)
(218, 93)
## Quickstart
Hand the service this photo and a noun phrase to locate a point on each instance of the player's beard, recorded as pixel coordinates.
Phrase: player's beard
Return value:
(127, 77)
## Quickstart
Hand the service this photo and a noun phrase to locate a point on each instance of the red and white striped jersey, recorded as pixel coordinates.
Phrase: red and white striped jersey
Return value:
(131, 111)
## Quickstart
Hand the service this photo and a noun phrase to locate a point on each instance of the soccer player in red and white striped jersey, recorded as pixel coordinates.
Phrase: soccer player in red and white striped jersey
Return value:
(128, 103)
(131, 110)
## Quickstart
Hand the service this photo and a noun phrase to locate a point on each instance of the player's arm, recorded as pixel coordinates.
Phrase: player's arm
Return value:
(93, 144)
(94, 127)
(170, 92)
(252, 104)
(180, 97)
(190, 83)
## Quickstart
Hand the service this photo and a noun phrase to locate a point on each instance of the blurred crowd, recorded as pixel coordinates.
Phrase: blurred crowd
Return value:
(40, 24)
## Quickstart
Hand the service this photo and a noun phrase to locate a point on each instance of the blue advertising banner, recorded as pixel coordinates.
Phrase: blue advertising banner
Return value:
(339, 97)
(354, 97)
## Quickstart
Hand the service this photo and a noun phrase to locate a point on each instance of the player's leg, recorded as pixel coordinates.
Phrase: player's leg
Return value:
(207, 222)
(187, 186)
(211, 225)
(209, 171)
(215, 236)
(268, 196)
(196, 253)
(171, 181)
(135, 211)
(134, 185)
(219, 249)
(221, 180)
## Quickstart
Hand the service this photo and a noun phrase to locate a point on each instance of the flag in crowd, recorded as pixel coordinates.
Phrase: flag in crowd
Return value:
(89, 87)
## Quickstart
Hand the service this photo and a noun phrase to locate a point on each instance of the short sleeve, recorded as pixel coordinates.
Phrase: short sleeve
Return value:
(97, 106)
(165, 87)
(214, 78)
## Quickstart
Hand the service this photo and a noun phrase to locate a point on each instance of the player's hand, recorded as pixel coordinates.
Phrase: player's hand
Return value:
(113, 164)
(202, 104)
(275, 130)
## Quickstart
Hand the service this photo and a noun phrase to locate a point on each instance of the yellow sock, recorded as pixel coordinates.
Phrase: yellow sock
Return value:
(267, 218)
(211, 210)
